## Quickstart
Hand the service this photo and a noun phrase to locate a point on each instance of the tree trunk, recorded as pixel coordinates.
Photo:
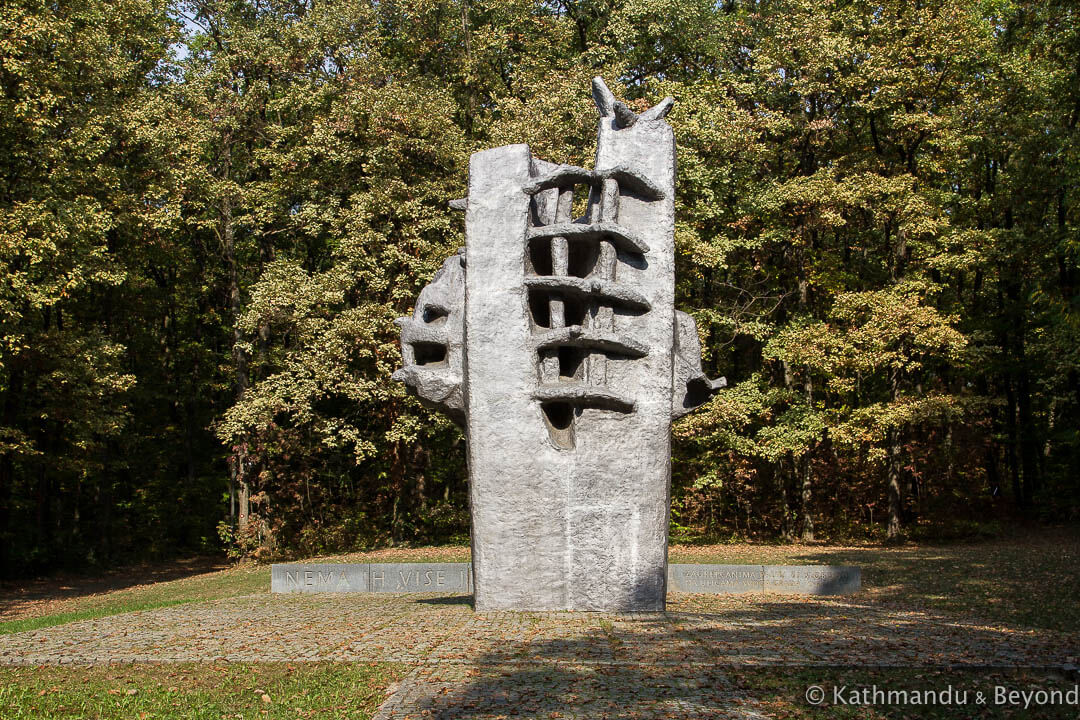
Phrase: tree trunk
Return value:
(805, 470)
(12, 398)
(243, 494)
(237, 476)
(1019, 496)
(1029, 441)
(895, 446)
(895, 497)
(7, 475)
(780, 476)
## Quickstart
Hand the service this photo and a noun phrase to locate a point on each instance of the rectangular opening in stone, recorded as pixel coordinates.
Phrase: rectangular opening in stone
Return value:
(539, 308)
(539, 259)
(559, 418)
(571, 363)
(435, 315)
(580, 206)
(582, 258)
(429, 353)
(575, 310)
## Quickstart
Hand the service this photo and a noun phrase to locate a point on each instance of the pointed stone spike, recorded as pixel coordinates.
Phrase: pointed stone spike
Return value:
(605, 101)
(660, 110)
(459, 204)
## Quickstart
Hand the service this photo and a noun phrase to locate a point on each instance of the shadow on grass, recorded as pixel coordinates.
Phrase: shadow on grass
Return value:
(1030, 579)
(1030, 584)
(61, 586)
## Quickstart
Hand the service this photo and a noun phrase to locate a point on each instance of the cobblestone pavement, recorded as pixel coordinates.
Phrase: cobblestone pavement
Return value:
(565, 690)
(571, 664)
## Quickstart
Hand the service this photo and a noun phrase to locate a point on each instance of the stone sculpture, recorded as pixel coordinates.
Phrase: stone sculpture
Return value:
(554, 341)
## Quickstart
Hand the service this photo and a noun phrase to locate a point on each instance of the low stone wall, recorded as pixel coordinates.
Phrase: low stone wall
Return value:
(457, 578)
(372, 577)
(781, 579)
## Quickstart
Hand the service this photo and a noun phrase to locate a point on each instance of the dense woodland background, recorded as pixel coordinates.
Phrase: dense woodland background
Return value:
(211, 212)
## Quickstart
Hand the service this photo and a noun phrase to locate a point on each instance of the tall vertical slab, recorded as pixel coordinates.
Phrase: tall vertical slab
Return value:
(573, 362)
(620, 469)
(517, 487)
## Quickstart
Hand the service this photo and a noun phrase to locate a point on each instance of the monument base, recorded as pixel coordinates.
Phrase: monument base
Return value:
(457, 578)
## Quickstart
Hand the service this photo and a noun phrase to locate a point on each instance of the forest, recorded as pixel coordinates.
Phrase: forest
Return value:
(211, 212)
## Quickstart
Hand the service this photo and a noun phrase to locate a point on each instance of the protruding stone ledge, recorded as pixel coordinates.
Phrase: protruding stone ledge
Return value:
(591, 288)
(457, 578)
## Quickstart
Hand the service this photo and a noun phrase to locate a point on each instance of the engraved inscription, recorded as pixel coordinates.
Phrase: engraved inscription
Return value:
(457, 578)
(715, 578)
(811, 580)
(318, 578)
(420, 577)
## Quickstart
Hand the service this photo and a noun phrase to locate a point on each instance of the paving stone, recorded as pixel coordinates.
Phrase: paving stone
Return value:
(509, 664)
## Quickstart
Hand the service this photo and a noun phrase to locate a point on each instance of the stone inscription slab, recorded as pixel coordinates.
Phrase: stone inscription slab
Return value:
(420, 577)
(309, 578)
(371, 577)
(716, 578)
(812, 579)
(457, 578)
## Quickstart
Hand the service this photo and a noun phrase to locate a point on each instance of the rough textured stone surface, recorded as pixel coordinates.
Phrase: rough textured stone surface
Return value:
(570, 366)
(432, 340)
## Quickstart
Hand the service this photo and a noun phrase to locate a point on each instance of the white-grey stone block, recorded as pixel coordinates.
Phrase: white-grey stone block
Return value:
(813, 579)
(555, 341)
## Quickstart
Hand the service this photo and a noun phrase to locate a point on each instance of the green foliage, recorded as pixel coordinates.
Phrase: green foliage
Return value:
(211, 211)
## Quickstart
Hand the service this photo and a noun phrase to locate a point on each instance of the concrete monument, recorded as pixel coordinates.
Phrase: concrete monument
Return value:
(554, 340)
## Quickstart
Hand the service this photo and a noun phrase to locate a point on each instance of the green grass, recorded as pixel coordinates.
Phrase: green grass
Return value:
(198, 588)
(1030, 580)
(234, 582)
(44, 621)
(196, 691)
(783, 693)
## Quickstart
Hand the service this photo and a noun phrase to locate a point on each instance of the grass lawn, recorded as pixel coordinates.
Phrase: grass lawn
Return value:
(31, 607)
(196, 691)
(1029, 580)
(341, 690)
(36, 612)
